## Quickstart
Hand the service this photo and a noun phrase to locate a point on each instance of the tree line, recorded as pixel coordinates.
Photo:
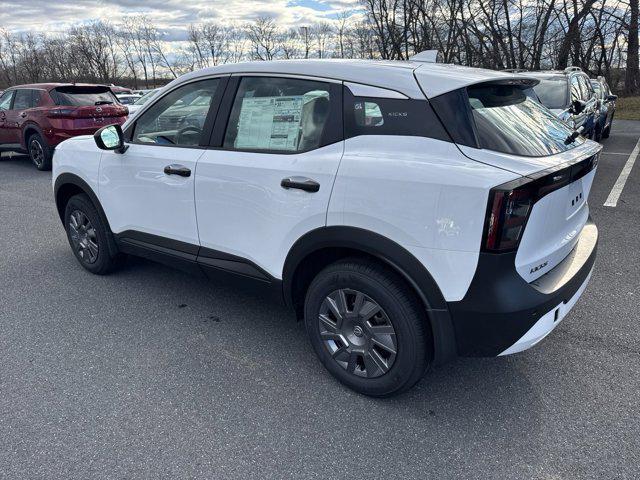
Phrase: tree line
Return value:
(599, 36)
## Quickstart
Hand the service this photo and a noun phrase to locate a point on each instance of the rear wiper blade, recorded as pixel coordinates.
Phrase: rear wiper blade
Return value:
(573, 135)
(103, 102)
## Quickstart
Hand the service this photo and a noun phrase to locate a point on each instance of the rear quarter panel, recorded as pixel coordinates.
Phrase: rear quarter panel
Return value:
(424, 195)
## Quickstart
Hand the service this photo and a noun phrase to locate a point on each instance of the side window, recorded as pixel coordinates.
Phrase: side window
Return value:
(587, 92)
(576, 93)
(5, 100)
(391, 116)
(178, 118)
(278, 114)
(24, 100)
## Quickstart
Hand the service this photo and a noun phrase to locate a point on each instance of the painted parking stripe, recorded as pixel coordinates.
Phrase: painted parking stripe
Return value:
(612, 199)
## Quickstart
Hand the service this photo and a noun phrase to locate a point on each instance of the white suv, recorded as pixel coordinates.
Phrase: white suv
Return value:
(409, 212)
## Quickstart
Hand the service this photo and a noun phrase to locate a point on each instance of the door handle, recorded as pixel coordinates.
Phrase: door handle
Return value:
(176, 169)
(301, 183)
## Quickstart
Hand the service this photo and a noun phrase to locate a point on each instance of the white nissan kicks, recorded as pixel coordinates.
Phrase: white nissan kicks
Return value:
(409, 212)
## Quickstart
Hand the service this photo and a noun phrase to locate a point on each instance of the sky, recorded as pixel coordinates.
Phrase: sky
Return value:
(172, 16)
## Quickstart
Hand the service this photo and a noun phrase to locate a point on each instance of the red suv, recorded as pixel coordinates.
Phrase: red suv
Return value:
(35, 118)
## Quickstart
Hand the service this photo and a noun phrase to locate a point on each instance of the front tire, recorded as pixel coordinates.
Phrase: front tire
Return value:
(607, 131)
(40, 152)
(88, 236)
(368, 328)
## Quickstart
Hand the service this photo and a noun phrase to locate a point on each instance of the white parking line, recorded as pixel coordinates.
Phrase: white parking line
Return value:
(612, 199)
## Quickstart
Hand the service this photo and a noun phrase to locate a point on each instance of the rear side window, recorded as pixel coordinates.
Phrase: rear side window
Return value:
(81, 96)
(391, 116)
(25, 99)
(279, 115)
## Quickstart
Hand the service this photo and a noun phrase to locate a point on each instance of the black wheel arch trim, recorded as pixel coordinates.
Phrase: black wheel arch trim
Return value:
(28, 127)
(66, 179)
(393, 255)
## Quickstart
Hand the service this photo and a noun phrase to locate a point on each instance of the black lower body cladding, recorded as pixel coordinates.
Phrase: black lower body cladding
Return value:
(500, 306)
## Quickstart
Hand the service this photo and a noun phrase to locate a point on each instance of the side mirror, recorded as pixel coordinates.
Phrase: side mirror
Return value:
(612, 98)
(577, 106)
(110, 138)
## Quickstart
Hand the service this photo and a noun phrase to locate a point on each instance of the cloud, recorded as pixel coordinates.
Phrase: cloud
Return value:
(172, 16)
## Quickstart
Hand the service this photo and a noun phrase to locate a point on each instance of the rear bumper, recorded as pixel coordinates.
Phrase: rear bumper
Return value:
(502, 313)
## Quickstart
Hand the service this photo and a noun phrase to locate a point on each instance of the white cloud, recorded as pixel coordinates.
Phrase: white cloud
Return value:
(171, 15)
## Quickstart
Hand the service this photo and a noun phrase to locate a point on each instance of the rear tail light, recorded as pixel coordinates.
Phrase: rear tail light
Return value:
(61, 112)
(510, 204)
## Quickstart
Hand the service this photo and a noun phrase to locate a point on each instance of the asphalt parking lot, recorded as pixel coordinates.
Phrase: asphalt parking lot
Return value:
(151, 373)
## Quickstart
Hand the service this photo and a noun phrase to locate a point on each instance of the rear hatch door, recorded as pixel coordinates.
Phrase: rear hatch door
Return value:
(500, 124)
(86, 107)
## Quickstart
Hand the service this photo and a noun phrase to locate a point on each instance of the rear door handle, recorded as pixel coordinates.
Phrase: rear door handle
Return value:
(301, 183)
(176, 169)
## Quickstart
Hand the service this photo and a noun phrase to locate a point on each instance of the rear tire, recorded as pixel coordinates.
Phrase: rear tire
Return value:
(39, 152)
(89, 236)
(368, 328)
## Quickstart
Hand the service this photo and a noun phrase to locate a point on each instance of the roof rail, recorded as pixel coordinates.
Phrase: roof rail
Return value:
(427, 56)
(572, 69)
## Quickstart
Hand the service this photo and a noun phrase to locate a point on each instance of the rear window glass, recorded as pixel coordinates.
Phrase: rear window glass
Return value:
(83, 96)
(508, 121)
(552, 92)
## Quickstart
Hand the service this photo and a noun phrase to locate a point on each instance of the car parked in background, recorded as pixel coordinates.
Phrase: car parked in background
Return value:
(569, 95)
(127, 98)
(35, 118)
(606, 108)
(118, 90)
(410, 212)
(137, 105)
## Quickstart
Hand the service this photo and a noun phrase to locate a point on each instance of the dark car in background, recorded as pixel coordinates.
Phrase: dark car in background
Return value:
(35, 118)
(607, 108)
(568, 93)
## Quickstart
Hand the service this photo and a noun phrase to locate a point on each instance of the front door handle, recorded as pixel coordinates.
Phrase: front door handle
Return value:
(176, 169)
(301, 183)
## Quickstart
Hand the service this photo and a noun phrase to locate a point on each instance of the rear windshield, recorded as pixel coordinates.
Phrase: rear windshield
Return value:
(552, 92)
(507, 120)
(77, 96)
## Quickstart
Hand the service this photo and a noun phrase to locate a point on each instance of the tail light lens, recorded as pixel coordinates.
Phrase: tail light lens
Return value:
(510, 204)
(61, 112)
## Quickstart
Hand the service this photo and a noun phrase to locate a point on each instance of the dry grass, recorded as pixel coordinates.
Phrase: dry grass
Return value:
(628, 108)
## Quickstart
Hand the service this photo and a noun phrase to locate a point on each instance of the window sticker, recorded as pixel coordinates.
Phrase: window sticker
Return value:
(270, 123)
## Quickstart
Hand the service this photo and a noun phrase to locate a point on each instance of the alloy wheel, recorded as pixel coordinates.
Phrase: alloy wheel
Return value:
(83, 237)
(36, 151)
(357, 333)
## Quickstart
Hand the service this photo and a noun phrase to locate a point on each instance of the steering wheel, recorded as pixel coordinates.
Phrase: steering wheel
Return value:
(188, 129)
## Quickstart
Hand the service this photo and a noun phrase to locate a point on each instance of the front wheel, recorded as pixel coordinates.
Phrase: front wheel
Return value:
(368, 328)
(88, 236)
(607, 131)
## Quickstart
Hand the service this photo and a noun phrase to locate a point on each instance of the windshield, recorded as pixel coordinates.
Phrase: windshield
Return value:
(598, 88)
(82, 96)
(509, 121)
(143, 99)
(552, 92)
